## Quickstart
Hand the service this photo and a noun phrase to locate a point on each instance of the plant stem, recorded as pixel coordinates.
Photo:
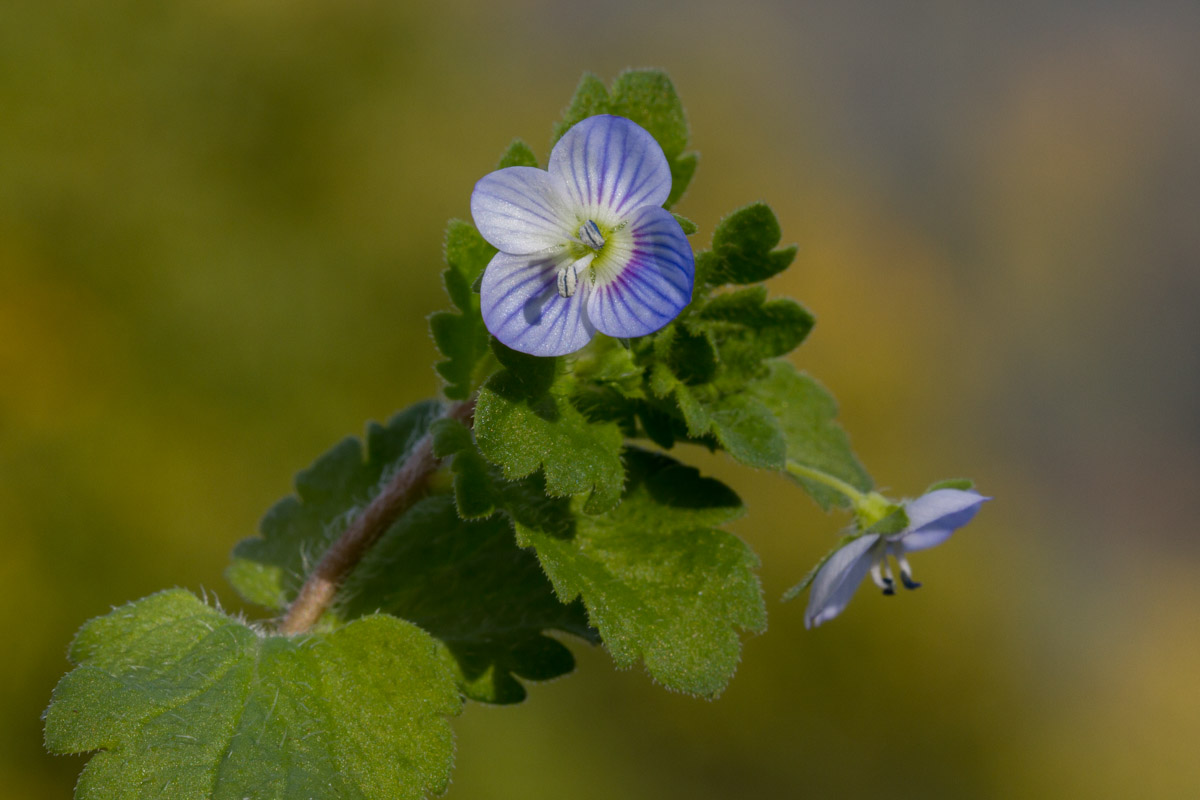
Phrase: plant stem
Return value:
(405, 488)
(857, 498)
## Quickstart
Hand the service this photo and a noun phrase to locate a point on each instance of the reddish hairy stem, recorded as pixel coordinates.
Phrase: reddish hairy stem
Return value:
(405, 488)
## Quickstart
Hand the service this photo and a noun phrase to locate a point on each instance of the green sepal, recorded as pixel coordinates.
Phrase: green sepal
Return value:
(659, 581)
(961, 484)
(465, 581)
(743, 248)
(895, 521)
(525, 421)
(188, 703)
(461, 336)
(807, 416)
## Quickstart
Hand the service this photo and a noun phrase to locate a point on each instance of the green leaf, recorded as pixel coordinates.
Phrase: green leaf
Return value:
(270, 569)
(748, 431)
(469, 585)
(647, 97)
(806, 414)
(591, 98)
(683, 169)
(748, 329)
(518, 154)
(466, 582)
(691, 354)
(525, 421)
(739, 423)
(187, 703)
(659, 581)
(462, 337)
(688, 226)
(742, 248)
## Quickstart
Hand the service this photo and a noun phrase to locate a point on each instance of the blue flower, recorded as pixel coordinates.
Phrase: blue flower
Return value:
(931, 520)
(585, 245)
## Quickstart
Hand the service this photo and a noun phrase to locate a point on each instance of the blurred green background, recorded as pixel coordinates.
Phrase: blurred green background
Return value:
(220, 232)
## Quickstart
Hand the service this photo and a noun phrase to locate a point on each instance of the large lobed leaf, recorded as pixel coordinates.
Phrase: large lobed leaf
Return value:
(466, 582)
(660, 582)
(187, 703)
(525, 421)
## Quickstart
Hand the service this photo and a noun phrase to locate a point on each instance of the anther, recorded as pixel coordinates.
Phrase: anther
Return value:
(589, 234)
(883, 583)
(568, 280)
(906, 573)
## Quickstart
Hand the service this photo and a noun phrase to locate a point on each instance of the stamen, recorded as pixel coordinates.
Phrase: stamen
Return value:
(888, 583)
(568, 280)
(589, 234)
(906, 573)
(880, 581)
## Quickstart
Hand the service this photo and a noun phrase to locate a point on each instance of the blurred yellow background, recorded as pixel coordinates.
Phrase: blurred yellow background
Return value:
(220, 232)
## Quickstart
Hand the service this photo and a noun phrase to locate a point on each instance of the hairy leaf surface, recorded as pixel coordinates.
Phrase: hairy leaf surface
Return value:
(660, 582)
(187, 703)
(466, 582)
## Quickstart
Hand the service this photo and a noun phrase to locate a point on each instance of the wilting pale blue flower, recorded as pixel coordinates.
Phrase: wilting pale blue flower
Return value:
(585, 245)
(931, 520)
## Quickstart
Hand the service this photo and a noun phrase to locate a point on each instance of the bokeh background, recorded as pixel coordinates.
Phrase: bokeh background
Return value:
(220, 232)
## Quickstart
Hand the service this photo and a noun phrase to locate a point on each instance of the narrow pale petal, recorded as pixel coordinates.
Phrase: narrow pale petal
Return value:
(609, 167)
(838, 579)
(522, 307)
(522, 210)
(644, 276)
(933, 517)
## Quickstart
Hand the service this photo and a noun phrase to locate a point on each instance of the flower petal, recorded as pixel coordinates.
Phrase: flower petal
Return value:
(522, 210)
(934, 516)
(522, 308)
(609, 167)
(643, 277)
(838, 579)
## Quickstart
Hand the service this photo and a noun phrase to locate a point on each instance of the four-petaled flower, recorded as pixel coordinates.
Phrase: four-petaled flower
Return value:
(585, 245)
(931, 520)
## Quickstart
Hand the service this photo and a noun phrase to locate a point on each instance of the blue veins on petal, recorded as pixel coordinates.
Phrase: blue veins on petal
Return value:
(584, 246)
(645, 279)
(932, 519)
(522, 306)
(610, 166)
(520, 210)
